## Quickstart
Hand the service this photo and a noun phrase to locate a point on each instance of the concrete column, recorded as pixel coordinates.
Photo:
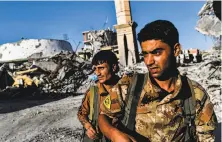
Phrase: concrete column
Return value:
(126, 36)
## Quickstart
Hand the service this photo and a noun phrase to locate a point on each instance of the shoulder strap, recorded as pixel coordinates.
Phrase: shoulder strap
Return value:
(189, 102)
(94, 104)
(91, 100)
(189, 108)
(134, 92)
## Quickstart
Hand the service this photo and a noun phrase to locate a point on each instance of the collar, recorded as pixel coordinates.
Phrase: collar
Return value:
(155, 91)
(102, 90)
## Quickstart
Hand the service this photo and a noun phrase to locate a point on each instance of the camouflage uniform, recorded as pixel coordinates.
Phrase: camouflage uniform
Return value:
(104, 94)
(84, 109)
(160, 116)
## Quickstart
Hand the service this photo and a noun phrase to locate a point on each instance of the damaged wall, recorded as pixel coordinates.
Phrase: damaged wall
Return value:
(33, 48)
(209, 22)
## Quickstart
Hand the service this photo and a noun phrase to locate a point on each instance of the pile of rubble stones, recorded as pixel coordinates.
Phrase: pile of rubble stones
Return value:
(63, 74)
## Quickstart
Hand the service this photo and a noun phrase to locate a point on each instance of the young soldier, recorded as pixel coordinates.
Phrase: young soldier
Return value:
(105, 66)
(170, 107)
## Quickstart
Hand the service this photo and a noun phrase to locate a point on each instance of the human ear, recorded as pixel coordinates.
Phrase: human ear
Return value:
(114, 67)
(177, 49)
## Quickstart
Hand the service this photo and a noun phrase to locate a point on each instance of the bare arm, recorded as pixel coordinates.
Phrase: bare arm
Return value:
(111, 132)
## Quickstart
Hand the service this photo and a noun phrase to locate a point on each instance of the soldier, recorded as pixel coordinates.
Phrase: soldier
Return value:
(161, 106)
(105, 66)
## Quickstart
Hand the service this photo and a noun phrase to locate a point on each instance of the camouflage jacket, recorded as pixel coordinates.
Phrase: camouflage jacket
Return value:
(160, 116)
(84, 109)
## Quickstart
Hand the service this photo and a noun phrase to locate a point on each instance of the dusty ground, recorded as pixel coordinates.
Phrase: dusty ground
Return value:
(40, 120)
(43, 121)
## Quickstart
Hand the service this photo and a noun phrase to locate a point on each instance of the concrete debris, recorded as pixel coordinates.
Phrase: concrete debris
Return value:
(32, 48)
(136, 68)
(209, 22)
(26, 71)
(46, 65)
(208, 74)
(97, 40)
(61, 74)
(187, 56)
(209, 25)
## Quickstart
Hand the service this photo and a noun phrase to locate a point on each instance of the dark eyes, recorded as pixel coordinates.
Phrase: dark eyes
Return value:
(154, 52)
(157, 52)
(98, 68)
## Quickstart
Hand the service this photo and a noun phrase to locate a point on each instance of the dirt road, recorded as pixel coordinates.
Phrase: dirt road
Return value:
(40, 120)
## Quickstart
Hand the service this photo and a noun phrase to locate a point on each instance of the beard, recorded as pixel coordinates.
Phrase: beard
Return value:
(169, 70)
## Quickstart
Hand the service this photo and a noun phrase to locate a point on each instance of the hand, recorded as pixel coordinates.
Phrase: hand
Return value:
(91, 133)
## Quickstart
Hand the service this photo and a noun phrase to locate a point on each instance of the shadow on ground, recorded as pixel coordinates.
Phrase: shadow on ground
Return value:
(18, 99)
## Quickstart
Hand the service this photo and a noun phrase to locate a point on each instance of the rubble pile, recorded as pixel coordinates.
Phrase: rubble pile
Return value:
(209, 22)
(63, 74)
(208, 74)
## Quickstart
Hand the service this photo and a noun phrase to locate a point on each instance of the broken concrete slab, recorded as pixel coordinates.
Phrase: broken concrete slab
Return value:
(33, 48)
(49, 66)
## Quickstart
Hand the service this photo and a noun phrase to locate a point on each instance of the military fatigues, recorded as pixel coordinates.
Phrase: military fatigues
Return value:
(104, 96)
(84, 109)
(160, 116)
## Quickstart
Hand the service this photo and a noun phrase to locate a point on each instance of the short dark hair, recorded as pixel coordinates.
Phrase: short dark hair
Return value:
(159, 30)
(106, 56)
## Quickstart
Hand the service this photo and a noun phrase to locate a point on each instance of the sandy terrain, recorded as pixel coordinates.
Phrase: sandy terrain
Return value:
(40, 120)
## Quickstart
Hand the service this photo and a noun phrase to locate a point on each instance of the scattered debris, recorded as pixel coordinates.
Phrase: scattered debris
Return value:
(187, 56)
(63, 73)
(97, 40)
(208, 74)
(209, 22)
(32, 49)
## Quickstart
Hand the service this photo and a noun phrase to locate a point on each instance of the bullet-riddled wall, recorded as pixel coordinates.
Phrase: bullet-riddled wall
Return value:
(32, 48)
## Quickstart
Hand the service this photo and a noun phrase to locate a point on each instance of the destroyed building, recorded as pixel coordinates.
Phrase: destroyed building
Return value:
(48, 69)
(32, 48)
(209, 22)
(96, 40)
(42, 67)
(122, 42)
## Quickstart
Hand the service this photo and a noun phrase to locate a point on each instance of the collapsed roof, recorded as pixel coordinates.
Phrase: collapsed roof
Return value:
(32, 48)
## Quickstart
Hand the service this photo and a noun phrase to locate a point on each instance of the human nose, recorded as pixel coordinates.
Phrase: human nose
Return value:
(149, 59)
